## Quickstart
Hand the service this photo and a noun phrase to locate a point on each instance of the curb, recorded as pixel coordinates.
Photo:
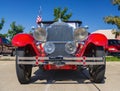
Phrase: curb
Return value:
(7, 58)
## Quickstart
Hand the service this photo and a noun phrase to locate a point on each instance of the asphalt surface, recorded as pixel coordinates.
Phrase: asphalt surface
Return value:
(61, 80)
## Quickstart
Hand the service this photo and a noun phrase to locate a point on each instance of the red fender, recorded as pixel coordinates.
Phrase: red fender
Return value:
(21, 40)
(96, 39)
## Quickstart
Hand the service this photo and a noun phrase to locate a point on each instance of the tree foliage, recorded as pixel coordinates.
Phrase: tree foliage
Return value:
(1, 27)
(15, 29)
(61, 14)
(114, 20)
(2, 23)
(3, 35)
(116, 2)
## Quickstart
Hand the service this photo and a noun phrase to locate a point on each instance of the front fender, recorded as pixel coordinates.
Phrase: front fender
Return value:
(21, 40)
(97, 39)
(93, 39)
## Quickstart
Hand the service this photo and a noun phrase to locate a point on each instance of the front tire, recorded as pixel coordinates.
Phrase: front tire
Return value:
(23, 71)
(97, 72)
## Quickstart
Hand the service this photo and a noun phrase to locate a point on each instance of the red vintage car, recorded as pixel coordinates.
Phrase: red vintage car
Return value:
(113, 47)
(60, 46)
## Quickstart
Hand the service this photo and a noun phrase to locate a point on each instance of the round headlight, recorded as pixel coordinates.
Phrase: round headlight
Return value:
(70, 47)
(49, 47)
(80, 34)
(40, 34)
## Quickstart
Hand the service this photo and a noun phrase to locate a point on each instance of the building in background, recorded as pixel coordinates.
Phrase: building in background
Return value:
(108, 33)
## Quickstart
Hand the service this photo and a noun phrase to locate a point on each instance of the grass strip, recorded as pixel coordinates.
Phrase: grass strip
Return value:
(112, 59)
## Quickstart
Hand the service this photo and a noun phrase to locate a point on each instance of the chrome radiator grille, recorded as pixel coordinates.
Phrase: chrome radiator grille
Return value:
(62, 33)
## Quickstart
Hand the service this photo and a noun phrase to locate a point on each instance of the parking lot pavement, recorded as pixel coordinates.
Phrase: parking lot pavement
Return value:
(64, 80)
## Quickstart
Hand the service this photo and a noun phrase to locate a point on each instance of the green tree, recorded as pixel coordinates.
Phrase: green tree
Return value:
(61, 14)
(3, 35)
(2, 23)
(15, 29)
(1, 27)
(116, 2)
(114, 20)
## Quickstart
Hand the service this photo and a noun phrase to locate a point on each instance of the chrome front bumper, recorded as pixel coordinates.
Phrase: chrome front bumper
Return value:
(61, 60)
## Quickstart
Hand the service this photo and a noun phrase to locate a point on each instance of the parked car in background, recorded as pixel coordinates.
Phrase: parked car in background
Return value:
(6, 47)
(113, 47)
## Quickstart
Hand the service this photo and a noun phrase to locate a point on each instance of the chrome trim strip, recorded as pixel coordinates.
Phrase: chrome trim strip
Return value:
(64, 58)
(33, 60)
(66, 62)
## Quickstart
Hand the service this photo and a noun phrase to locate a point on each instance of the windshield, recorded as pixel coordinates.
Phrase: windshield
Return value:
(113, 42)
(74, 24)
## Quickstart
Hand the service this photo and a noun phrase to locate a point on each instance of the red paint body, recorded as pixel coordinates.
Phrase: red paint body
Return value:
(22, 40)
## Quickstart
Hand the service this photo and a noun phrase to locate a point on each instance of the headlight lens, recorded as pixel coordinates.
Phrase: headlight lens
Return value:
(40, 34)
(49, 47)
(70, 47)
(80, 34)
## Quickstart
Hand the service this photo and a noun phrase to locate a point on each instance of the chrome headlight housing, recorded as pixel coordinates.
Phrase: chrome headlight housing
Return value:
(80, 34)
(49, 47)
(40, 34)
(70, 47)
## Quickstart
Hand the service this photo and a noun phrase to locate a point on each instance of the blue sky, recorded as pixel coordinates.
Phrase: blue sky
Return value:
(24, 12)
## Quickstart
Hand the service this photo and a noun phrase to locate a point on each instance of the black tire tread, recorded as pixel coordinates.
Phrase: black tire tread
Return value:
(21, 69)
(98, 71)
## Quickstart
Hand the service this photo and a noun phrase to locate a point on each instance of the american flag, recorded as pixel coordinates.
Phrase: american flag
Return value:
(39, 19)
